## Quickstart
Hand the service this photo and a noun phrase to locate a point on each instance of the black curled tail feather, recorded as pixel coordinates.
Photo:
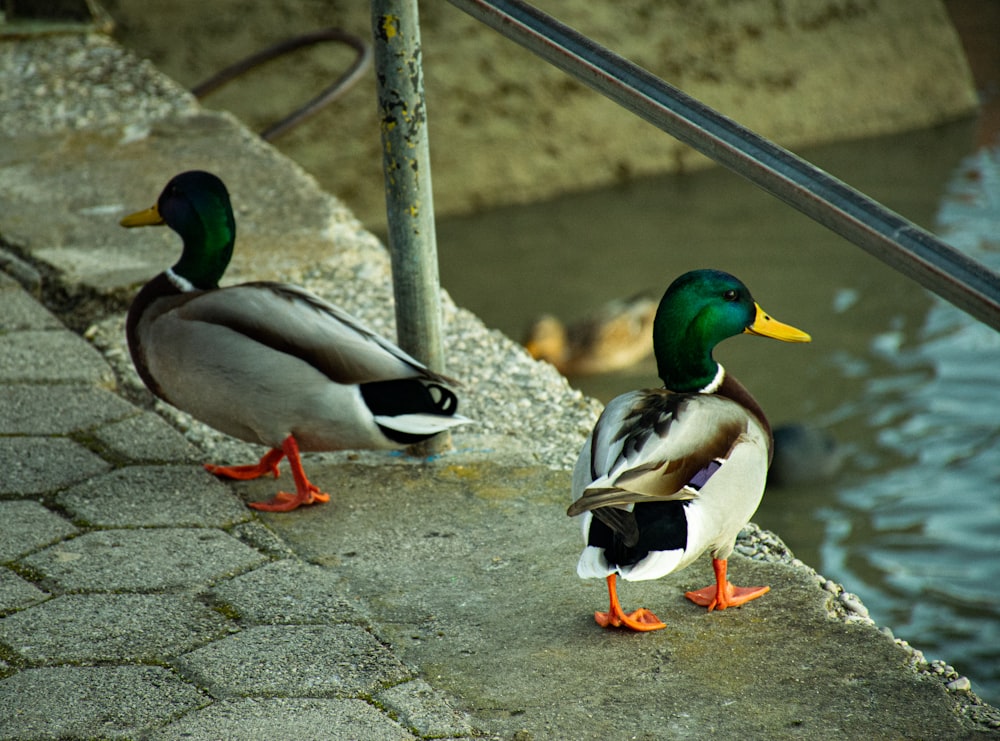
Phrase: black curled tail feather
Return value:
(660, 526)
(445, 400)
(408, 396)
(621, 522)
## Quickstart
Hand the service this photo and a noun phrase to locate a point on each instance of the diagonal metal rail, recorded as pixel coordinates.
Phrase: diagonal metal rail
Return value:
(885, 234)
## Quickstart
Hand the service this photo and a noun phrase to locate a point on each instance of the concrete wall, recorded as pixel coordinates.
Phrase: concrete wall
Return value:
(506, 127)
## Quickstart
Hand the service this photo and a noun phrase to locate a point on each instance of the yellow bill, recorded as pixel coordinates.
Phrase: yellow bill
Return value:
(148, 217)
(765, 326)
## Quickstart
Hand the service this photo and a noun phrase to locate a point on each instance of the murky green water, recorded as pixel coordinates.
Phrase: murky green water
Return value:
(906, 384)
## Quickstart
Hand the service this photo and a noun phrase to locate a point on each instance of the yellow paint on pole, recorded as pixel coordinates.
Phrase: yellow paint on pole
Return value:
(390, 26)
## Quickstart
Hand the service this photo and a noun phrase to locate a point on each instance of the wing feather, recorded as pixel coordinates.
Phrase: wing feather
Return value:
(650, 445)
(292, 320)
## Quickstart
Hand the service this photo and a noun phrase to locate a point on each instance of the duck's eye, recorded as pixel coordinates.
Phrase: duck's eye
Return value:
(731, 295)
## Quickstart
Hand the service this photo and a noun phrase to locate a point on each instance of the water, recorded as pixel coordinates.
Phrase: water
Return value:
(921, 535)
(903, 382)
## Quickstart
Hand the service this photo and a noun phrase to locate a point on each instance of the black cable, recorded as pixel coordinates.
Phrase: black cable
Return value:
(343, 83)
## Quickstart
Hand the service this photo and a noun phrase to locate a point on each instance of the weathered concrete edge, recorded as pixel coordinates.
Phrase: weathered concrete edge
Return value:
(761, 545)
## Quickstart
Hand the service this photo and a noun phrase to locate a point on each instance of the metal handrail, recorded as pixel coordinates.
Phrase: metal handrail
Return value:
(885, 234)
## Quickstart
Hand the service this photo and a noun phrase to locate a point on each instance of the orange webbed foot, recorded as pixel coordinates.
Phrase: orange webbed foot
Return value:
(731, 596)
(723, 593)
(284, 501)
(640, 620)
(305, 491)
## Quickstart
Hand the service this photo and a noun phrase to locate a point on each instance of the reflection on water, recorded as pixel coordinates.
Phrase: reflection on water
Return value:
(902, 381)
(929, 513)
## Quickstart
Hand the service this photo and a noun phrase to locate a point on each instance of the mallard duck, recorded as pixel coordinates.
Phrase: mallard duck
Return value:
(667, 474)
(270, 363)
(615, 337)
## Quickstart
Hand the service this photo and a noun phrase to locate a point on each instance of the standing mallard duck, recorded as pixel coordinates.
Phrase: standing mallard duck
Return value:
(670, 473)
(269, 363)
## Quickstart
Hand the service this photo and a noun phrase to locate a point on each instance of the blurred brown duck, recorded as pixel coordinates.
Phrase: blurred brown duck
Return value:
(616, 336)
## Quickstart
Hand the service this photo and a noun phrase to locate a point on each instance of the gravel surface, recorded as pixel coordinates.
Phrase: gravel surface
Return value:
(89, 76)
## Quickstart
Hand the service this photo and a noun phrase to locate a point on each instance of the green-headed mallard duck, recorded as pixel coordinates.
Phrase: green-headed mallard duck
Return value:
(269, 363)
(670, 473)
(615, 337)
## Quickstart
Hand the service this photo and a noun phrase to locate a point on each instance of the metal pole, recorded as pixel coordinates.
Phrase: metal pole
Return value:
(896, 241)
(408, 198)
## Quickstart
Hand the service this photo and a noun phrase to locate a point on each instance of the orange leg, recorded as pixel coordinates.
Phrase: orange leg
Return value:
(642, 619)
(723, 594)
(305, 491)
(267, 464)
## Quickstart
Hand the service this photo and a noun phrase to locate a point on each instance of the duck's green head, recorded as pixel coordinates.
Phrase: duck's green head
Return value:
(699, 310)
(196, 205)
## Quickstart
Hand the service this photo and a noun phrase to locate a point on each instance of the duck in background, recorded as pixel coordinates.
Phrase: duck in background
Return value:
(667, 474)
(616, 336)
(266, 362)
(803, 454)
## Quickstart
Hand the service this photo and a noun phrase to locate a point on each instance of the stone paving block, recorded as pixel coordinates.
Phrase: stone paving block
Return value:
(18, 276)
(294, 661)
(143, 559)
(420, 707)
(21, 312)
(254, 533)
(133, 628)
(288, 591)
(26, 525)
(7, 282)
(284, 718)
(16, 593)
(32, 409)
(69, 359)
(91, 701)
(155, 496)
(35, 465)
(146, 438)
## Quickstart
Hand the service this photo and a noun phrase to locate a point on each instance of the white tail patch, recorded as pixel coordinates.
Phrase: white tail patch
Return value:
(420, 424)
(655, 565)
(593, 564)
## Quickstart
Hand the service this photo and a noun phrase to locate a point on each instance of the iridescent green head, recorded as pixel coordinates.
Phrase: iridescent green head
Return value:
(196, 205)
(699, 310)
